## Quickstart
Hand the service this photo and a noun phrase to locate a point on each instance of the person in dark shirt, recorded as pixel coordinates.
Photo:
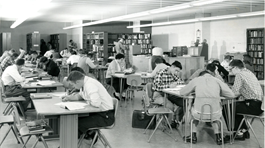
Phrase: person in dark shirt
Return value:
(49, 66)
(222, 71)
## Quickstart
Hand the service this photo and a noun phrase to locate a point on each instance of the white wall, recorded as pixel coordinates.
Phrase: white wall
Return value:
(225, 35)
(77, 34)
(174, 35)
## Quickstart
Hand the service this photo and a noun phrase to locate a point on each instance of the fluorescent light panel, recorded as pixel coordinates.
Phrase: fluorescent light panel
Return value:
(33, 7)
(201, 19)
(150, 12)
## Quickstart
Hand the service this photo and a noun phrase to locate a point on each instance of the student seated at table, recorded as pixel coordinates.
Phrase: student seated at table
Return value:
(226, 61)
(7, 53)
(247, 87)
(207, 87)
(210, 68)
(49, 66)
(222, 71)
(73, 59)
(168, 78)
(117, 65)
(94, 93)
(49, 53)
(12, 82)
(159, 66)
(33, 56)
(85, 62)
(65, 53)
(8, 60)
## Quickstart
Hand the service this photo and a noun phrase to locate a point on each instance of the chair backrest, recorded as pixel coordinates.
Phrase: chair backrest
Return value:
(134, 80)
(16, 116)
(207, 107)
(2, 90)
(116, 105)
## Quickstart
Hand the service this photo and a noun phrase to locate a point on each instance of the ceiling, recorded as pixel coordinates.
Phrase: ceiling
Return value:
(74, 10)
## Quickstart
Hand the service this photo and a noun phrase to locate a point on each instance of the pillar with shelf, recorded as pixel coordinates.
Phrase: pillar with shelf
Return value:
(33, 41)
(255, 48)
(59, 41)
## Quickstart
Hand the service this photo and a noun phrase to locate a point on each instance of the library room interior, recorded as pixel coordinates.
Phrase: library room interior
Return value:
(132, 74)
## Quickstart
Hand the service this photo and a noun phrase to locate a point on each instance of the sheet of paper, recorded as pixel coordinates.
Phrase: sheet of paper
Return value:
(45, 82)
(60, 94)
(72, 105)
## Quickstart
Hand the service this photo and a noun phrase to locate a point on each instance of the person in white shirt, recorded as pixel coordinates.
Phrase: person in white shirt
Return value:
(94, 93)
(49, 53)
(65, 53)
(73, 58)
(226, 62)
(12, 82)
(159, 65)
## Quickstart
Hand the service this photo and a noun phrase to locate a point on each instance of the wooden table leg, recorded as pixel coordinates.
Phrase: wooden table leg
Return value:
(68, 131)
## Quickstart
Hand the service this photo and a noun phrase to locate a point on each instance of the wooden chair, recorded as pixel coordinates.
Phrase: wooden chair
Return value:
(10, 122)
(9, 100)
(24, 129)
(157, 111)
(99, 134)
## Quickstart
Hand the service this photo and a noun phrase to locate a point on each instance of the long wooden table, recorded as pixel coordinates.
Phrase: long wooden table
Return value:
(68, 119)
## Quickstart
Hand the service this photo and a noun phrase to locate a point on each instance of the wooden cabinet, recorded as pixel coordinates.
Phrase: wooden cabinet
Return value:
(33, 41)
(58, 41)
(255, 48)
(5, 42)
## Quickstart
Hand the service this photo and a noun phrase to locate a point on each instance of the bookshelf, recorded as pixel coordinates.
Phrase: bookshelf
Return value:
(58, 41)
(255, 48)
(33, 41)
(142, 39)
(96, 43)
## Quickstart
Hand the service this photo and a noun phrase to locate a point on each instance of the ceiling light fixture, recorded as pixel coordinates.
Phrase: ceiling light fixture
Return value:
(150, 12)
(32, 7)
(201, 19)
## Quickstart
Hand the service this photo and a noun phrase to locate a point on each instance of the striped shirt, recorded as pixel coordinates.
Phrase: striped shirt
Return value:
(247, 85)
(163, 79)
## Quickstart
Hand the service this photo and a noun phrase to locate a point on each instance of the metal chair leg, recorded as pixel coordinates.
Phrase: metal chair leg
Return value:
(104, 139)
(155, 129)
(15, 134)
(149, 123)
(5, 135)
(94, 139)
(44, 142)
(37, 140)
(249, 125)
(171, 131)
(81, 139)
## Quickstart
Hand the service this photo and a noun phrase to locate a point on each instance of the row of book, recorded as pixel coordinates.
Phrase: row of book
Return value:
(258, 68)
(256, 41)
(258, 61)
(259, 75)
(256, 33)
(255, 47)
(256, 54)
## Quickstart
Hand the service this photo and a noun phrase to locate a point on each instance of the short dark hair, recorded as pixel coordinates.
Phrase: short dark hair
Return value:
(14, 55)
(43, 59)
(228, 57)
(203, 73)
(82, 51)
(247, 59)
(78, 69)
(211, 67)
(20, 62)
(34, 52)
(159, 60)
(237, 63)
(72, 52)
(216, 62)
(119, 56)
(177, 64)
(74, 76)
(70, 40)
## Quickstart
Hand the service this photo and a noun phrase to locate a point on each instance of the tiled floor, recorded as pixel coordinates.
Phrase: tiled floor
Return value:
(124, 136)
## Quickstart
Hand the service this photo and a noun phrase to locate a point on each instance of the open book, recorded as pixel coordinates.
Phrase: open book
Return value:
(72, 105)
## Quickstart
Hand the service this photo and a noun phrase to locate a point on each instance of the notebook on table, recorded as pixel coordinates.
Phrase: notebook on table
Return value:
(41, 96)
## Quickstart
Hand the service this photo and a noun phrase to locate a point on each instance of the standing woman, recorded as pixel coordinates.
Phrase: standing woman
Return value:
(43, 47)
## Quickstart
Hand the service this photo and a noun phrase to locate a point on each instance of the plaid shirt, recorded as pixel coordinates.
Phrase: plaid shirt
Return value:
(6, 62)
(163, 79)
(247, 85)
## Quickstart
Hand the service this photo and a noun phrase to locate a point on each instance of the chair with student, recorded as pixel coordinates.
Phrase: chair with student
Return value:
(98, 134)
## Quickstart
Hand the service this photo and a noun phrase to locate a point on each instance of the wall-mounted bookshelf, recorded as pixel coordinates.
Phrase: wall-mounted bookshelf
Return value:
(255, 48)
(58, 41)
